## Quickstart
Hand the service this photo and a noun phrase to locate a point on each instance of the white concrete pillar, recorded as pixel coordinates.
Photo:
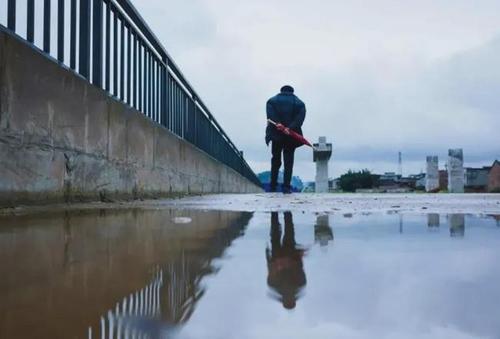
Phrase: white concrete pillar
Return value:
(321, 176)
(432, 174)
(321, 155)
(455, 170)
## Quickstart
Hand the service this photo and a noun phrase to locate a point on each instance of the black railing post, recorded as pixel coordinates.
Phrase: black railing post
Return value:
(155, 90)
(115, 53)
(145, 83)
(129, 65)
(150, 82)
(97, 43)
(156, 86)
(72, 36)
(11, 15)
(46, 26)
(108, 48)
(30, 22)
(159, 75)
(164, 92)
(84, 55)
(134, 71)
(60, 30)
(122, 59)
(140, 106)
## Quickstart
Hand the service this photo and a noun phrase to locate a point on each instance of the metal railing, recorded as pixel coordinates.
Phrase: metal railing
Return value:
(108, 43)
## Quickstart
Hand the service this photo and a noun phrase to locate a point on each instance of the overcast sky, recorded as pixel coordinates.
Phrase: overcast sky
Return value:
(377, 77)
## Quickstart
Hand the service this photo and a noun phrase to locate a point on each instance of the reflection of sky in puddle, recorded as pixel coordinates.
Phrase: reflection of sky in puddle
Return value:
(383, 276)
(266, 275)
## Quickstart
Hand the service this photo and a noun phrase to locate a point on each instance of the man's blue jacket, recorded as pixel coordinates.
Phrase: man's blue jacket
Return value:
(285, 108)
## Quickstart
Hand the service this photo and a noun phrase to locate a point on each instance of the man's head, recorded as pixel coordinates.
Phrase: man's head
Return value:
(286, 89)
(289, 303)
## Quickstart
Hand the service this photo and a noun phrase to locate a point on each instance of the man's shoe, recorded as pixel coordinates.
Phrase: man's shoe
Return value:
(287, 190)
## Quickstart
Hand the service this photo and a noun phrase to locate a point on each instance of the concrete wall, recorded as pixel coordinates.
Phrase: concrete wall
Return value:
(62, 139)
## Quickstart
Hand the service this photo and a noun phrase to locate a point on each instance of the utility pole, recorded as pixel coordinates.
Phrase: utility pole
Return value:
(400, 165)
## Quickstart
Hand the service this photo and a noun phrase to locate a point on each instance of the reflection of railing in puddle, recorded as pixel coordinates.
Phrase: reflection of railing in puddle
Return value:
(167, 301)
(159, 309)
(183, 289)
(125, 321)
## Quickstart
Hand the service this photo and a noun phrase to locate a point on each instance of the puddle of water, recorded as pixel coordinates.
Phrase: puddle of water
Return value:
(209, 274)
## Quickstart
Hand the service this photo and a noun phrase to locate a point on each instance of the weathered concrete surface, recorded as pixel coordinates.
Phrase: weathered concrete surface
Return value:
(329, 203)
(483, 203)
(62, 139)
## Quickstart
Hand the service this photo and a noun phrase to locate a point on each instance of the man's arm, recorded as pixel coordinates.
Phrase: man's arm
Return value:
(299, 118)
(271, 112)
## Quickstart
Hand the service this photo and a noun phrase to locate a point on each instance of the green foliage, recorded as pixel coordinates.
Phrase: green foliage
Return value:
(351, 181)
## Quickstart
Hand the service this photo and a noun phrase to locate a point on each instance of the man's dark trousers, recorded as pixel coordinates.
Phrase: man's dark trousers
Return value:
(288, 150)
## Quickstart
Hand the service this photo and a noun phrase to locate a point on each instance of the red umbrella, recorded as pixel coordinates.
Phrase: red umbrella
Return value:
(290, 132)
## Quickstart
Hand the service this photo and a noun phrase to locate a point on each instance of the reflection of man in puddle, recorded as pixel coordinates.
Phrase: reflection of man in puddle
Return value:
(284, 262)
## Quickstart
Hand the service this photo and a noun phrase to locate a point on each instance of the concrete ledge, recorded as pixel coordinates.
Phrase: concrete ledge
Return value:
(64, 140)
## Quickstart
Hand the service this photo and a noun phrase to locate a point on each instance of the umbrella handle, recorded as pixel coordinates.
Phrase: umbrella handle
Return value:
(275, 124)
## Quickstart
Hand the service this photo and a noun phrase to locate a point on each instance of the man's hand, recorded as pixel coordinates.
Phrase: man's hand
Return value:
(283, 129)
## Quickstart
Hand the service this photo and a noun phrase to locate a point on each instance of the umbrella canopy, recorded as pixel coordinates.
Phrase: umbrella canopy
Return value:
(291, 133)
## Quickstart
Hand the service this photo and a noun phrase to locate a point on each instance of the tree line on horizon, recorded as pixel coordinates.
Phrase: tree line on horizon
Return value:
(353, 180)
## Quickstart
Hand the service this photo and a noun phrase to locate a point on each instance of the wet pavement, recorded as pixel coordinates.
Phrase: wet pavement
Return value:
(166, 273)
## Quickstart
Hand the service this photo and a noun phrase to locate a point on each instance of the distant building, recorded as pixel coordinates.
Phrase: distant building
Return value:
(443, 180)
(456, 170)
(412, 181)
(494, 177)
(476, 179)
(388, 180)
(389, 177)
(420, 181)
(334, 184)
(432, 173)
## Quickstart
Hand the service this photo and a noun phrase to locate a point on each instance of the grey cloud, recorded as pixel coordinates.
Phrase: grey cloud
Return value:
(377, 79)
